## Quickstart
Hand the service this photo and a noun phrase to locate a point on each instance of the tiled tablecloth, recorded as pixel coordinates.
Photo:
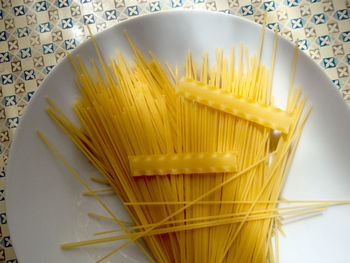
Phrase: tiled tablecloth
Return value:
(36, 35)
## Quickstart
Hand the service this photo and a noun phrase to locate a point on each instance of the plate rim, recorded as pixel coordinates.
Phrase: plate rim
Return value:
(98, 36)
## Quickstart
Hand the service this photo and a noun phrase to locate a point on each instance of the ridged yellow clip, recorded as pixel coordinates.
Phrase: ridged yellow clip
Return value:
(184, 163)
(262, 114)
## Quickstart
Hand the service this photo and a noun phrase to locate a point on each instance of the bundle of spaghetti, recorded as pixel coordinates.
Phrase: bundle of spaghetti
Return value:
(134, 109)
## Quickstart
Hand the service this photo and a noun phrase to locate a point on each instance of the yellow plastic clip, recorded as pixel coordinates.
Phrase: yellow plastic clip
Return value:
(186, 163)
(262, 114)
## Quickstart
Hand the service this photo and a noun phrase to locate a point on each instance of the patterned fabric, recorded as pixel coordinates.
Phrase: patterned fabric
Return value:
(36, 35)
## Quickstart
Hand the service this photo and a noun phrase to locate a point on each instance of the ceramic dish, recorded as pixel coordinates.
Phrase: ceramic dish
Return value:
(44, 202)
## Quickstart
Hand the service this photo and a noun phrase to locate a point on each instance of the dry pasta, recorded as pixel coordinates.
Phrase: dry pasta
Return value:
(162, 151)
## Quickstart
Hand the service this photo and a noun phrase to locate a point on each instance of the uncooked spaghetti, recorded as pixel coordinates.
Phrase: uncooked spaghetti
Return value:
(193, 159)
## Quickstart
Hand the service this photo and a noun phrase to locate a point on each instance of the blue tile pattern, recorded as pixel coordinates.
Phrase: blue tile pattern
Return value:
(36, 34)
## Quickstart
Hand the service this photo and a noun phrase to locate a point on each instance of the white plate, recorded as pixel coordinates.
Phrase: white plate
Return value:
(44, 204)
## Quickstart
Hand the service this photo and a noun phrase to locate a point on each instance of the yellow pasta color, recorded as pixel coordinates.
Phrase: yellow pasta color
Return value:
(192, 226)
(133, 123)
(99, 191)
(185, 163)
(266, 115)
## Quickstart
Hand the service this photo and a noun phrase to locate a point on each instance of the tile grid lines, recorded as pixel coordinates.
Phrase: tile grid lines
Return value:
(36, 35)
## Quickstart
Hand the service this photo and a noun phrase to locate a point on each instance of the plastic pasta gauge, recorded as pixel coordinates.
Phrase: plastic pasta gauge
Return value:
(203, 173)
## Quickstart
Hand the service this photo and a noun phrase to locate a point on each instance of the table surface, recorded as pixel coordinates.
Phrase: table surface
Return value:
(36, 35)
